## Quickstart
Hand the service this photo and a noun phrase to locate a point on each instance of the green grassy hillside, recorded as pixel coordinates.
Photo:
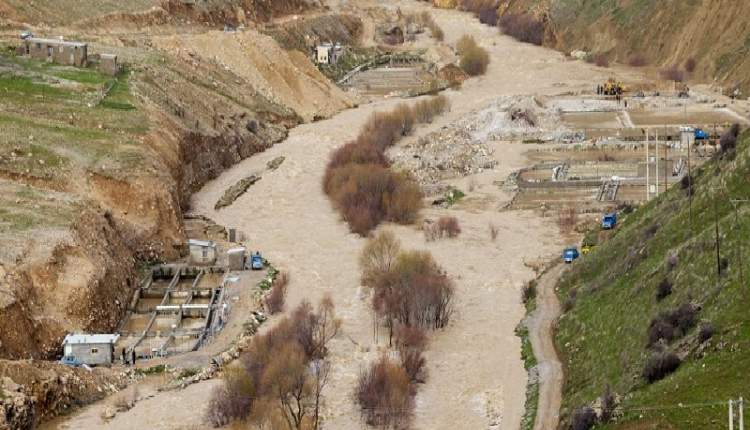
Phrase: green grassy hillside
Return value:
(611, 297)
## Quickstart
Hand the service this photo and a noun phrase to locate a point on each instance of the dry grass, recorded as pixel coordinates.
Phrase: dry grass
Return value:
(567, 219)
(673, 73)
(474, 60)
(445, 227)
(385, 395)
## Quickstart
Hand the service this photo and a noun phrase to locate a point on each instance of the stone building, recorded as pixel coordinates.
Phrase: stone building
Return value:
(57, 51)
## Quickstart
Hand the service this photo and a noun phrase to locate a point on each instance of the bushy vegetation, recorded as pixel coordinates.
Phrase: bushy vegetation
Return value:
(473, 59)
(673, 73)
(359, 180)
(484, 10)
(444, 227)
(637, 60)
(385, 394)
(523, 27)
(276, 298)
(411, 295)
(653, 350)
(282, 374)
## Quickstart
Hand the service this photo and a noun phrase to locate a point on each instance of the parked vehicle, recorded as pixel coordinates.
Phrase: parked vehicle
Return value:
(609, 221)
(570, 254)
(71, 361)
(700, 134)
(26, 35)
(256, 261)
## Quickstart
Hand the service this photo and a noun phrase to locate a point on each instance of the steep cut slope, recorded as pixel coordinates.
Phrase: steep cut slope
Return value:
(653, 290)
(714, 33)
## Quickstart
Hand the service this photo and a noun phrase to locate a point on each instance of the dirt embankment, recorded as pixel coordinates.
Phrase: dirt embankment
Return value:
(713, 33)
(34, 391)
(208, 107)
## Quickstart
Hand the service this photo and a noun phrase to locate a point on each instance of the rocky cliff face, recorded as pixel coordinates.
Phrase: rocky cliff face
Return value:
(714, 33)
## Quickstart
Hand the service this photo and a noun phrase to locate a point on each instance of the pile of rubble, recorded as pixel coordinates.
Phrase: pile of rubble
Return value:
(448, 153)
(461, 149)
(516, 118)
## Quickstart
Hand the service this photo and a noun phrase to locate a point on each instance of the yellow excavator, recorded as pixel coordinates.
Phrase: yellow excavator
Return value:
(613, 88)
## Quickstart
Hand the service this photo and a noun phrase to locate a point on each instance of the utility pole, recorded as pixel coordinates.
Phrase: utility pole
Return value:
(741, 407)
(731, 415)
(648, 191)
(740, 258)
(656, 170)
(716, 238)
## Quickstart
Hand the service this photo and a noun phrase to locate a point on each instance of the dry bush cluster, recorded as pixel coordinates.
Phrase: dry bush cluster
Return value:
(637, 60)
(385, 394)
(446, 226)
(435, 31)
(728, 140)
(411, 295)
(281, 375)
(484, 10)
(599, 59)
(673, 73)
(690, 65)
(567, 219)
(358, 178)
(659, 365)
(473, 59)
(276, 298)
(523, 27)
(672, 325)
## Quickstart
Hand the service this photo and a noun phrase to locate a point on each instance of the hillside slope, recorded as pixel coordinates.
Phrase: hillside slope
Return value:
(715, 33)
(617, 320)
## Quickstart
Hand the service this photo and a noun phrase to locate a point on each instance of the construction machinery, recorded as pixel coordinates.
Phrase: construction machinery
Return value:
(700, 134)
(613, 88)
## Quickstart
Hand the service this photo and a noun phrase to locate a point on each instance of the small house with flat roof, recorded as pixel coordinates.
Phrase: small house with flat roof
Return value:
(91, 349)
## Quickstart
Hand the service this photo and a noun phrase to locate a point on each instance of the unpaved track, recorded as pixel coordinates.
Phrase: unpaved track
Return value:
(541, 324)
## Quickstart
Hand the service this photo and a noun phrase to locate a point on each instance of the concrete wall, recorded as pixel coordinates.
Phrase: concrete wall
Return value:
(90, 353)
(60, 53)
(202, 254)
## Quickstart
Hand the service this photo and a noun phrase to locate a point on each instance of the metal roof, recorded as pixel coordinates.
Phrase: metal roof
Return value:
(56, 42)
(203, 243)
(90, 338)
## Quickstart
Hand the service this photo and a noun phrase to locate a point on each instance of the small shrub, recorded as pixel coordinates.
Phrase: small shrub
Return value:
(637, 60)
(686, 184)
(600, 60)
(671, 325)
(435, 31)
(608, 404)
(385, 395)
(474, 61)
(411, 342)
(494, 231)
(659, 365)
(523, 27)
(690, 65)
(465, 43)
(567, 219)
(529, 292)
(728, 140)
(584, 418)
(449, 226)
(705, 332)
(484, 10)
(673, 73)
(664, 289)
(570, 301)
(673, 259)
(276, 298)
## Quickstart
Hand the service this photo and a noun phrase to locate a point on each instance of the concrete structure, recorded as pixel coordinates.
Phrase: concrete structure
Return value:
(328, 53)
(57, 51)
(91, 349)
(202, 251)
(108, 64)
(236, 258)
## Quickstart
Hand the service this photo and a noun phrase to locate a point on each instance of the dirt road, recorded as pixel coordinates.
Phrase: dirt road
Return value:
(541, 333)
